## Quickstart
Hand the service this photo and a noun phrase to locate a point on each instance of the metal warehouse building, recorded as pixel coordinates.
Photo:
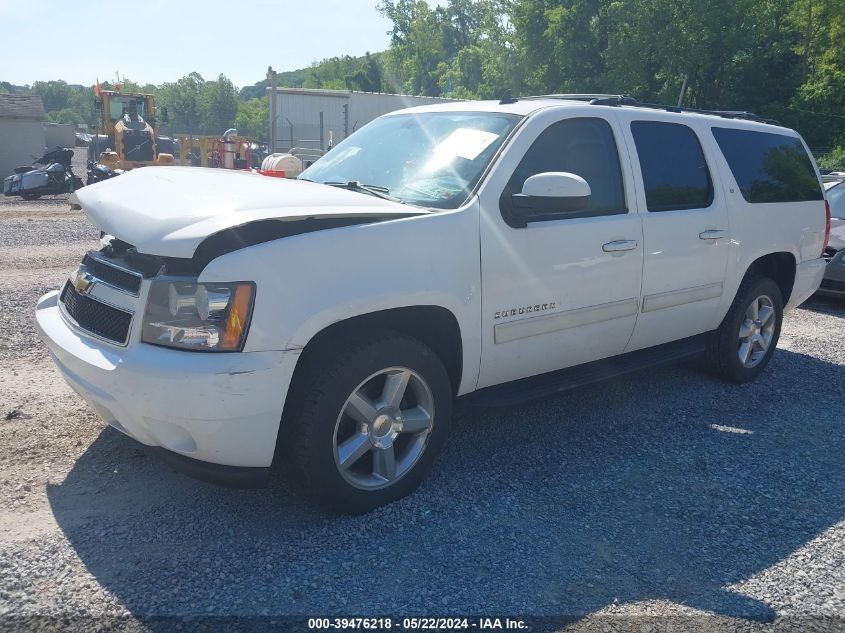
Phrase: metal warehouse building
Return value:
(21, 131)
(306, 118)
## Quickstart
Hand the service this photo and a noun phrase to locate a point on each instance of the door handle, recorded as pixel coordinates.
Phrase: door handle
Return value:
(712, 234)
(619, 245)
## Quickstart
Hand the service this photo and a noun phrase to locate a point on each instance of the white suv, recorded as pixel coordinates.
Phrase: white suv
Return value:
(492, 250)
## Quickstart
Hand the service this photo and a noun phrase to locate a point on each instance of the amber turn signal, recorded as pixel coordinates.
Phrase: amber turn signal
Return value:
(239, 311)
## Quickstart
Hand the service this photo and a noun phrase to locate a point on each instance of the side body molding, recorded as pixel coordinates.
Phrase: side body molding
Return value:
(532, 326)
(662, 300)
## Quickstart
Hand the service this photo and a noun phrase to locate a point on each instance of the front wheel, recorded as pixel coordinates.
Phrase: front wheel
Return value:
(745, 341)
(30, 196)
(371, 418)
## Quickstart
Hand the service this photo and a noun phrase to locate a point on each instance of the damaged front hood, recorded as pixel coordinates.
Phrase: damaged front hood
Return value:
(169, 211)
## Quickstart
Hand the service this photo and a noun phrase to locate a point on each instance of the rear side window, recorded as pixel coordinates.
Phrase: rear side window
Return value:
(768, 167)
(675, 174)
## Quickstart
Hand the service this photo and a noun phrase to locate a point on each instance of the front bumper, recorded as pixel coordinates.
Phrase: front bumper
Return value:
(808, 277)
(211, 409)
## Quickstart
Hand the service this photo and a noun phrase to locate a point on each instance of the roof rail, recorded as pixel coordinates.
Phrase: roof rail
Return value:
(622, 100)
(574, 97)
(627, 100)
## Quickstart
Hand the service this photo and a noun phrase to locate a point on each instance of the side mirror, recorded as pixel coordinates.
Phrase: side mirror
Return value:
(164, 116)
(550, 195)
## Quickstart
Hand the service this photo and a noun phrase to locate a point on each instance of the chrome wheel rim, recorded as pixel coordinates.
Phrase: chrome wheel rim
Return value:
(383, 428)
(756, 331)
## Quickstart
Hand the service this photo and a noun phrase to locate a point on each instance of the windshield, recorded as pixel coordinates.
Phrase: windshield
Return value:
(433, 159)
(118, 106)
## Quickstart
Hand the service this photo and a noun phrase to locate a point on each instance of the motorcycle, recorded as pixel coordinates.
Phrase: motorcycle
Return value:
(98, 172)
(53, 176)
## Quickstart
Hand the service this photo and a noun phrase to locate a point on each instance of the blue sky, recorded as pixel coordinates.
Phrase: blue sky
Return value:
(51, 39)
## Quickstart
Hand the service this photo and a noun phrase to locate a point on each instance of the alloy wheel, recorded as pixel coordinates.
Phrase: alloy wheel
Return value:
(383, 428)
(756, 331)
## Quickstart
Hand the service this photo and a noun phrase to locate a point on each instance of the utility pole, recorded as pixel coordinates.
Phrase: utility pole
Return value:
(683, 90)
(271, 77)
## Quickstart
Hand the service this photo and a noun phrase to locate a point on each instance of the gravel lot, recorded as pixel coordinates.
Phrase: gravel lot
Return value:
(665, 500)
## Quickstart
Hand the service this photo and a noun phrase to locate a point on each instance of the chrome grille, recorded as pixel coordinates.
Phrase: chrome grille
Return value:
(102, 320)
(113, 275)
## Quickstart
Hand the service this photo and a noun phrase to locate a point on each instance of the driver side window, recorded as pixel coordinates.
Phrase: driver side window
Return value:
(582, 146)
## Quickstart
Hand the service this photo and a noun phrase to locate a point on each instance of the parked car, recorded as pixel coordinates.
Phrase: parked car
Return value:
(833, 283)
(493, 251)
(82, 139)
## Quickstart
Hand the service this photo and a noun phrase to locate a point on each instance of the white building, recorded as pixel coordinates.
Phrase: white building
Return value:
(21, 131)
(62, 134)
(306, 118)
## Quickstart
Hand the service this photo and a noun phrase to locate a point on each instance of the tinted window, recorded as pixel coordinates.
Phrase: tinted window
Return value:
(584, 147)
(675, 174)
(769, 167)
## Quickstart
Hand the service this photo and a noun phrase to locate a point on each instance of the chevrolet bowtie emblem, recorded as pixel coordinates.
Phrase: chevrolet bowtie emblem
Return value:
(83, 282)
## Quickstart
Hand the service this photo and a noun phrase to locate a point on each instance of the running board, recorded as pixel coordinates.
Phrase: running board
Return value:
(548, 384)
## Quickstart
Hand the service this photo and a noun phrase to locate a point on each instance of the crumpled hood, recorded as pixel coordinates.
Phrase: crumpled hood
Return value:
(170, 210)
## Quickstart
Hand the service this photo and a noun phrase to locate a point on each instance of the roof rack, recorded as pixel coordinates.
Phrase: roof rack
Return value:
(574, 97)
(627, 100)
(624, 100)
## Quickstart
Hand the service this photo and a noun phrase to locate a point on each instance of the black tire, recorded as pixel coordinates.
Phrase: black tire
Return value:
(321, 390)
(724, 347)
(30, 196)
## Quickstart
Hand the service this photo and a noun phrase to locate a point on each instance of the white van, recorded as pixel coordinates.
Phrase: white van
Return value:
(495, 251)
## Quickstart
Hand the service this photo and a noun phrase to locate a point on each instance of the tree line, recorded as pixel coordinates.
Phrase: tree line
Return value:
(199, 106)
(194, 105)
(782, 59)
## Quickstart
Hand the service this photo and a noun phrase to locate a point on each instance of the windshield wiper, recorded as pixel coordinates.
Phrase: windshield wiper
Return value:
(373, 190)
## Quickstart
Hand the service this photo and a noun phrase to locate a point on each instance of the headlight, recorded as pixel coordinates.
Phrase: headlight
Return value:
(208, 317)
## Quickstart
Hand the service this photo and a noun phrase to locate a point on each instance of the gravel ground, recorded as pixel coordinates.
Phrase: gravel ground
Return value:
(666, 500)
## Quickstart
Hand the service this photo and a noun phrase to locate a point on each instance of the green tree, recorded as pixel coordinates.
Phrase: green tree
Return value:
(413, 62)
(331, 73)
(461, 49)
(818, 107)
(65, 115)
(835, 159)
(81, 103)
(252, 118)
(54, 94)
(368, 77)
(218, 105)
(182, 100)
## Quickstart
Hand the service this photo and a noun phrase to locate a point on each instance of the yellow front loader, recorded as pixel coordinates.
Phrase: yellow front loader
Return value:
(127, 135)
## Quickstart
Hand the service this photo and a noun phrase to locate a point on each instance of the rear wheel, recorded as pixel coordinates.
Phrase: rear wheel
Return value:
(744, 343)
(371, 420)
(30, 196)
